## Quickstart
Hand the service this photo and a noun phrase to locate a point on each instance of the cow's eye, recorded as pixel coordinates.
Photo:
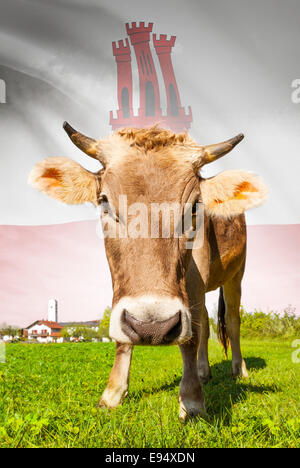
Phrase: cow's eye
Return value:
(103, 198)
(106, 208)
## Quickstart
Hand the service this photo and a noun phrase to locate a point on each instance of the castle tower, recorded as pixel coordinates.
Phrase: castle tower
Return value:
(122, 55)
(149, 110)
(177, 119)
(52, 310)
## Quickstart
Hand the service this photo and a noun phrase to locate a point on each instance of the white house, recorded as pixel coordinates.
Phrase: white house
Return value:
(44, 331)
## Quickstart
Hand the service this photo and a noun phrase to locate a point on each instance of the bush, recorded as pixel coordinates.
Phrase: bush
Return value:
(103, 331)
(271, 324)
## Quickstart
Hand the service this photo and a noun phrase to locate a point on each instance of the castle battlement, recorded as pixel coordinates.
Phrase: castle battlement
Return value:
(121, 49)
(163, 44)
(139, 33)
(138, 29)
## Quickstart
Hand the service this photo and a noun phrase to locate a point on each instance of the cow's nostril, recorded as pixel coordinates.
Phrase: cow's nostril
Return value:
(175, 331)
(152, 332)
(127, 325)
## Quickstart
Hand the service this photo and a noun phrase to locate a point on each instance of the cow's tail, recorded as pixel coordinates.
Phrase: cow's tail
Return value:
(222, 334)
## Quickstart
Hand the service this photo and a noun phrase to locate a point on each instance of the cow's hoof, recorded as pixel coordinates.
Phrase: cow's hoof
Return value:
(104, 404)
(239, 370)
(111, 398)
(190, 408)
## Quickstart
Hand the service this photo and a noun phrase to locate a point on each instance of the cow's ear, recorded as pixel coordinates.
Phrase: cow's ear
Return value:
(230, 193)
(65, 180)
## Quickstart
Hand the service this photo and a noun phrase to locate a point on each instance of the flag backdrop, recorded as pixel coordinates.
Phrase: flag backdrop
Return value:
(234, 64)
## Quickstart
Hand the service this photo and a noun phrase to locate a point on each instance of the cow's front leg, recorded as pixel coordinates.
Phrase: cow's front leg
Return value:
(191, 398)
(118, 381)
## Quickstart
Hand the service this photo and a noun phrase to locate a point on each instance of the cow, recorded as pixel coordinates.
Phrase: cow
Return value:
(159, 282)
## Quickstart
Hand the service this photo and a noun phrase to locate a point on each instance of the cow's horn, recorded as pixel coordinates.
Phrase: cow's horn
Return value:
(211, 153)
(88, 145)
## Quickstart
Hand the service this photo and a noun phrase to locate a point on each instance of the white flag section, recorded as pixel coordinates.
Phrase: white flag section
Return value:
(235, 65)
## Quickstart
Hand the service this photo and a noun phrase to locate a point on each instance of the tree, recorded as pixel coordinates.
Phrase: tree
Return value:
(103, 330)
(65, 334)
(88, 334)
(10, 331)
(84, 333)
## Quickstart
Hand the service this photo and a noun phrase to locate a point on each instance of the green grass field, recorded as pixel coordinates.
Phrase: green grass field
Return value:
(49, 395)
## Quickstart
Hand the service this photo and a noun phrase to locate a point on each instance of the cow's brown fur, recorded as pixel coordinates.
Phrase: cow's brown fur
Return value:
(154, 138)
(156, 166)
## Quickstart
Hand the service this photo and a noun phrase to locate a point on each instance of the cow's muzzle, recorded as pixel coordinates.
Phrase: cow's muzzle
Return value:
(150, 320)
(151, 332)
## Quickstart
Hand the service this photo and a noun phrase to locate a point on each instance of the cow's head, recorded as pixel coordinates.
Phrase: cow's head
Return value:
(150, 167)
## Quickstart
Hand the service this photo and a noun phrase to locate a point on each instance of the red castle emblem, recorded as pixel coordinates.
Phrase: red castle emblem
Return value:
(149, 111)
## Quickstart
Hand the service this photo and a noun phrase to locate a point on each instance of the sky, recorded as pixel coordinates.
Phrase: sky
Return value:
(234, 62)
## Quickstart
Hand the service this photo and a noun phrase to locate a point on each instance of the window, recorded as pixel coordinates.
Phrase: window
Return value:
(149, 63)
(125, 103)
(150, 99)
(142, 65)
(145, 63)
(173, 100)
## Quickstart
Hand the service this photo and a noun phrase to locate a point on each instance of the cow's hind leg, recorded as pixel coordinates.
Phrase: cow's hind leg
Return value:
(232, 298)
(203, 363)
(118, 381)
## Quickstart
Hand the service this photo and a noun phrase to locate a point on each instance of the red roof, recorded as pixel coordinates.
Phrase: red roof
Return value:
(51, 325)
